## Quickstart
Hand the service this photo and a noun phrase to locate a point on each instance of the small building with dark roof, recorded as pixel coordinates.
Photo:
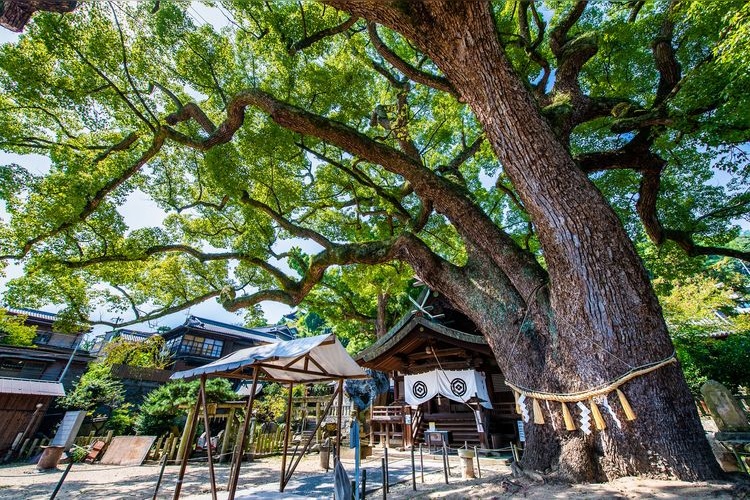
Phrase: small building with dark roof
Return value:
(201, 340)
(32, 376)
(437, 338)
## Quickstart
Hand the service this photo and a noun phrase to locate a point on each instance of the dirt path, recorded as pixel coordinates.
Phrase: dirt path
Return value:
(260, 480)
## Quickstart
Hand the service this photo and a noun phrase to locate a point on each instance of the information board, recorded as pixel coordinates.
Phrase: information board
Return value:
(68, 429)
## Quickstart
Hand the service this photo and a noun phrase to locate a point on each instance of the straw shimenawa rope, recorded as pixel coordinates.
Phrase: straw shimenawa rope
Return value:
(572, 397)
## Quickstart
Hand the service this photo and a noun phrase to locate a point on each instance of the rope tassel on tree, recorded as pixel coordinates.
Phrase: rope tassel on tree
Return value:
(520, 395)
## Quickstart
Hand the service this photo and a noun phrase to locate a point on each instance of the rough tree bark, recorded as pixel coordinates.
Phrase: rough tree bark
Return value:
(14, 14)
(601, 317)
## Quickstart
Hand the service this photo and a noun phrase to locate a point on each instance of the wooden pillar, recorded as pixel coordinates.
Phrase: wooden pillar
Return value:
(396, 392)
(206, 424)
(234, 473)
(228, 428)
(319, 432)
(481, 426)
(287, 429)
(407, 421)
(186, 445)
(338, 422)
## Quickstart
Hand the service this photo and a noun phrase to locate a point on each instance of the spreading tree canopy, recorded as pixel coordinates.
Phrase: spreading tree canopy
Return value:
(508, 153)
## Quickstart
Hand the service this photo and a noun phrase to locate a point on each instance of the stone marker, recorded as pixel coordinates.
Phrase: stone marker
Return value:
(724, 409)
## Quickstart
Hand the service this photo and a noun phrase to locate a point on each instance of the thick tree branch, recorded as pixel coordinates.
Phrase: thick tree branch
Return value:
(646, 208)
(635, 155)
(467, 217)
(685, 240)
(14, 14)
(192, 110)
(159, 313)
(320, 35)
(414, 74)
(665, 58)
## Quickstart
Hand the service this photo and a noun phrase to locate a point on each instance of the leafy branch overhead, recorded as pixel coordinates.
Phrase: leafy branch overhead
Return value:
(179, 110)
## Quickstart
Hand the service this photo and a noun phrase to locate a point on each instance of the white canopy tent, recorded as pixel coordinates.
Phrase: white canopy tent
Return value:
(307, 360)
(304, 361)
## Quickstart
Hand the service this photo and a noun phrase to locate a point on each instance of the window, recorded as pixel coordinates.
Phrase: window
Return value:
(201, 346)
(20, 368)
(171, 344)
(42, 338)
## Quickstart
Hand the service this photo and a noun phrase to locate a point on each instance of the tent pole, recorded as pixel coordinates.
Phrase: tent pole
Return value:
(237, 463)
(187, 447)
(211, 474)
(293, 464)
(338, 423)
(282, 483)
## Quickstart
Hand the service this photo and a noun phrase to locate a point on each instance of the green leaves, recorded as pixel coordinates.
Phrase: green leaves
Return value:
(13, 330)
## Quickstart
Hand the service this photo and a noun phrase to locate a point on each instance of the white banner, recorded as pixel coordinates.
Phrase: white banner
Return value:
(420, 388)
(458, 385)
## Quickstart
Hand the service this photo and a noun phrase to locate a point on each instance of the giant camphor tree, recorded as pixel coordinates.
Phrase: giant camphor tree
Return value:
(503, 151)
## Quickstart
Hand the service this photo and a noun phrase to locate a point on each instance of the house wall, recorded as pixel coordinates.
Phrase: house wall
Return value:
(16, 411)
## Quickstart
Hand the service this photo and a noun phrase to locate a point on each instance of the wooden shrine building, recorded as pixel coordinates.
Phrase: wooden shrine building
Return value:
(435, 342)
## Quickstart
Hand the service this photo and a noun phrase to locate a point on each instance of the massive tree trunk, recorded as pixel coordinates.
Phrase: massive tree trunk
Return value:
(598, 317)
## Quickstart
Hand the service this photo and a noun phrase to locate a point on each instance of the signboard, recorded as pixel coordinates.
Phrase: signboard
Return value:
(521, 433)
(407, 419)
(128, 450)
(68, 429)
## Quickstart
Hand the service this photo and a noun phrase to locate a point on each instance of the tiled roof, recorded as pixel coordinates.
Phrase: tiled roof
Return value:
(33, 313)
(34, 387)
(265, 334)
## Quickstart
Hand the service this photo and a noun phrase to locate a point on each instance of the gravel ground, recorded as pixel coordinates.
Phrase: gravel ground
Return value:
(260, 480)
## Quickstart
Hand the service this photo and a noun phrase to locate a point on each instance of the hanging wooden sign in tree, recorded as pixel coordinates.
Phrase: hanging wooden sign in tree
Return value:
(509, 153)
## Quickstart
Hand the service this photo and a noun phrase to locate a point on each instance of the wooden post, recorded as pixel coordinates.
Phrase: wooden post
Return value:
(481, 427)
(234, 472)
(385, 468)
(372, 425)
(406, 434)
(187, 431)
(186, 445)
(287, 429)
(210, 453)
(385, 478)
(338, 423)
(445, 462)
(319, 433)
(363, 491)
(227, 433)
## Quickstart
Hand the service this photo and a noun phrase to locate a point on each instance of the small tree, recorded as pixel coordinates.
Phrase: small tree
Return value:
(160, 412)
(14, 331)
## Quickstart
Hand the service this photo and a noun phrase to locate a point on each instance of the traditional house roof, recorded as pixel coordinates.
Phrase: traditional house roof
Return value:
(31, 387)
(37, 317)
(415, 341)
(259, 334)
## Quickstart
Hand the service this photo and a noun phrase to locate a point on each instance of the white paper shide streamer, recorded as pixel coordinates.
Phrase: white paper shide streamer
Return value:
(605, 403)
(585, 418)
(524, 410)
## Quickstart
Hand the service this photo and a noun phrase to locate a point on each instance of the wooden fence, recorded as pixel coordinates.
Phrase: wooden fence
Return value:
(262, 443)
(32, 447)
